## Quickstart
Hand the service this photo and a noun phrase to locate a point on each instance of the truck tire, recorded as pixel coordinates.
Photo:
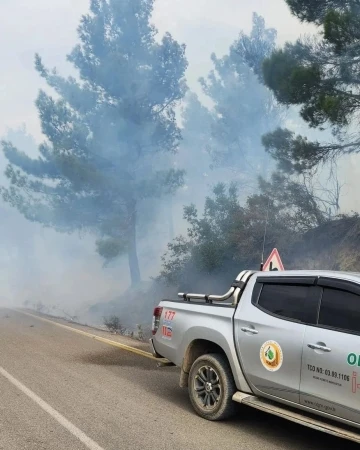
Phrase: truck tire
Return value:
(211, 387)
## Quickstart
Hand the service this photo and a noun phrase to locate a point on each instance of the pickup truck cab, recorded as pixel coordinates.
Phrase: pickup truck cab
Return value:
(284, 342)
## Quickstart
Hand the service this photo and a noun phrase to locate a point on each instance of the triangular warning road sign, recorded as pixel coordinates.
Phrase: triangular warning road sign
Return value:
(273, 263)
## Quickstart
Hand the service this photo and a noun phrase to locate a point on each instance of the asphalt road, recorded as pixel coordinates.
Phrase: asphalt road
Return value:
(61, 390)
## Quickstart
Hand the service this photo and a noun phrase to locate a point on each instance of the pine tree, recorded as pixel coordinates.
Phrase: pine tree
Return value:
(106, 130)
(321, 75)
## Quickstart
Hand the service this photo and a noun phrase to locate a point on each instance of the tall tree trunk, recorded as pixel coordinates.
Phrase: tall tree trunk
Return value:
(132, 249)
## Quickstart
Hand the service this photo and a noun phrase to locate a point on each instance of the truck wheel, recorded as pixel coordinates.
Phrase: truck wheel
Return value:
(211, 387)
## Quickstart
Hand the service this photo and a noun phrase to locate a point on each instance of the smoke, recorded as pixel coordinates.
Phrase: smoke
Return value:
(40, 265)
(349, 172)
(62, 271)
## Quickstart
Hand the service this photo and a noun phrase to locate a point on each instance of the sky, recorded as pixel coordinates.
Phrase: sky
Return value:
(30, 27)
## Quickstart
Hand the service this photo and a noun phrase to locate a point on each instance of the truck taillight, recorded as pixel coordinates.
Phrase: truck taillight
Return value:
(156, 319)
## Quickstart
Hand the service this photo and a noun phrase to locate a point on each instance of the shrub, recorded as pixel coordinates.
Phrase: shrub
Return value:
(113, 324)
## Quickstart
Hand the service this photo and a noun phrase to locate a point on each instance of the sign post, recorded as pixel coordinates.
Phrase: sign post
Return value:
(273, 263)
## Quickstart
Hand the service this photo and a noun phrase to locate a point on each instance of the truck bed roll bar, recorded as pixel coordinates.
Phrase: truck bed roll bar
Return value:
(239, 282)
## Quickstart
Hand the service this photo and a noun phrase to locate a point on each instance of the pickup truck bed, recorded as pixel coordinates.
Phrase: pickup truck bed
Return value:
(193, 334)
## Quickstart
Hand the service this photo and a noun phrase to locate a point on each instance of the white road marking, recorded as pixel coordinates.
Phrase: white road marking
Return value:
(89, 443)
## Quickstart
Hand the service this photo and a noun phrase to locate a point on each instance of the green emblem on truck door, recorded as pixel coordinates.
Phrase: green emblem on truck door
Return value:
(271, 356)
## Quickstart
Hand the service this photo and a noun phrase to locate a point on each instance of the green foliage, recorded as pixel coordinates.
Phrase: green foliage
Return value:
(113, 324)
(197, 121)
(110, 248)
(175, 260)
(244, 108)
(340, 28)
(109, 133)
(316, 10)
(298, 205)
(290, 82)
(229, 235)
(252, 49)
(322, 76)
(293, 153)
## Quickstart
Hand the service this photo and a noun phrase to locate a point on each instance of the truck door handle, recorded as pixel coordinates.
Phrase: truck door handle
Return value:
(249, 330)
(319, 347)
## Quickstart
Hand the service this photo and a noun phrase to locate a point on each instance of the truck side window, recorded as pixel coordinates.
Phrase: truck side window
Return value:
(298, 303)
(340, 309)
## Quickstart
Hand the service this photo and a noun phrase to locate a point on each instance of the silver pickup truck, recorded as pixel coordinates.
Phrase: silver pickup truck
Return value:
(287, 343)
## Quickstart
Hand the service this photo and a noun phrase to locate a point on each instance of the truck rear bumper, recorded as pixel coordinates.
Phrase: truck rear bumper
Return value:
(163, 362)
(153, 351)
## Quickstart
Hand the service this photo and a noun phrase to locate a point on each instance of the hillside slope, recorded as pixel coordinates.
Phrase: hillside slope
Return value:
(332, 246)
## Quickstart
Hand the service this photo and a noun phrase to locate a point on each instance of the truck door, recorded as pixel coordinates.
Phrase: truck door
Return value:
(330, 378)
(270, 324)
